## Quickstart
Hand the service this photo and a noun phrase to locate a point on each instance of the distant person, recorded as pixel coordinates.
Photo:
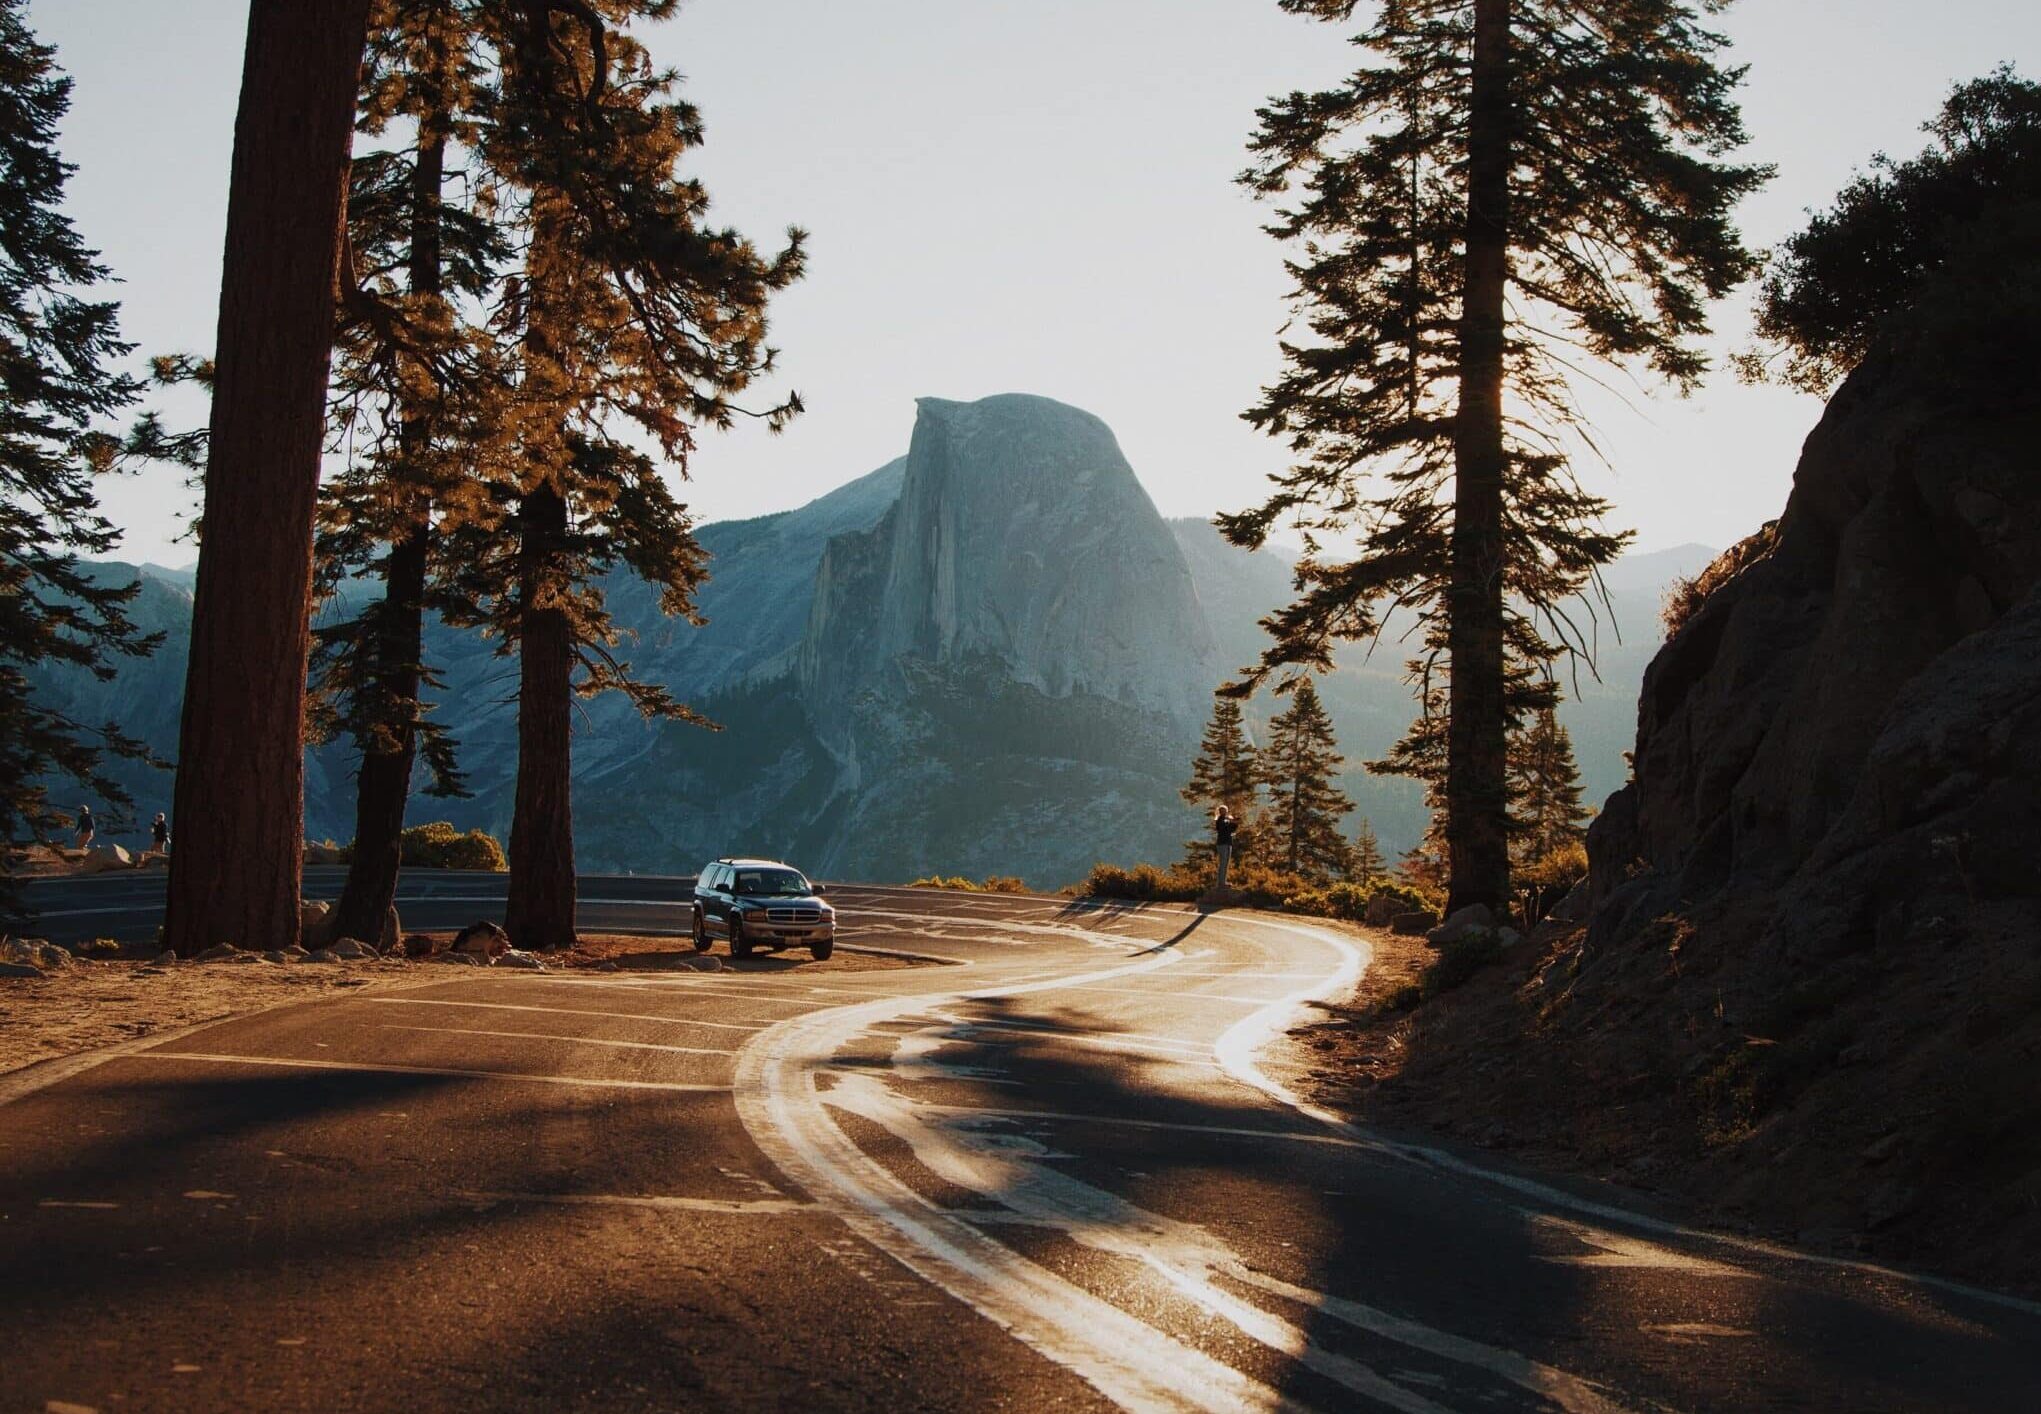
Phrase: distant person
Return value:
(1223, 826)
(86, 829)
(159, 830)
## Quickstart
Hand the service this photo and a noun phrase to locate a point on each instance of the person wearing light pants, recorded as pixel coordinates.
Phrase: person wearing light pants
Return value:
(1223, 826)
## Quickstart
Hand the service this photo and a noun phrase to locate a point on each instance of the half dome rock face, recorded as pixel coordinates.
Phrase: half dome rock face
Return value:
(1021, 538)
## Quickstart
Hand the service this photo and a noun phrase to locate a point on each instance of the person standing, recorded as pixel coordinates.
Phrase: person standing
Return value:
(1223, 826)
(86, 829)
(159, 831)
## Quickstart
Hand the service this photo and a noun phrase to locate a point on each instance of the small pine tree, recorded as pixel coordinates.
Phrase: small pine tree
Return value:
(1226, 772)
(1545, 788)
(1305, 808)
(57, 385)
(1369, 863)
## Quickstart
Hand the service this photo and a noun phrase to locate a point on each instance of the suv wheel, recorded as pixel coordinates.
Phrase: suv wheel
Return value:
(821, 951)
(740, 946)
(699, 930)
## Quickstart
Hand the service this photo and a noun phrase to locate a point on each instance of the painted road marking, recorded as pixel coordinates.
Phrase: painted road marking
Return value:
(572, 1040)
(372, 1067)
(760, 1207)
(1335, 1141)
(572, 1011)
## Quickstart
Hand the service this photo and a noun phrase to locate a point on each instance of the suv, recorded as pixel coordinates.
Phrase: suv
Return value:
(761, 903)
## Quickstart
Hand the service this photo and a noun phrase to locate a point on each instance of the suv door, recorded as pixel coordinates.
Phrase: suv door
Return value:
(705, 896)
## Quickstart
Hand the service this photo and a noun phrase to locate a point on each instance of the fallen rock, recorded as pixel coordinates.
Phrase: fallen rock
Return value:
(19, 969)
(482, 937)
(101, 858)
(351, 948)
(38, 953)
(1411, 924)
(163, 958)
(220, 952)
(514, 958)
(275, 955)
(323, 955)
(1576, 906)
(1380, 910)
(463, 959)
(249, 957)
(703, 963)
(294, 953)
(607, 965)
(420, 945)
(1475, 917)
(315, 921)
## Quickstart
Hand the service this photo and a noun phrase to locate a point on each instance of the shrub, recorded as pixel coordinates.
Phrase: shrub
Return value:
(1686, 596)
(937, 881)
(1543, 881)
(1003, 884)
(439, 846)
(1458, 961)
(1145, 883)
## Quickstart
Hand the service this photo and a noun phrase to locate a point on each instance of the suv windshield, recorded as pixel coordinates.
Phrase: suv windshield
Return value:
(770, 883)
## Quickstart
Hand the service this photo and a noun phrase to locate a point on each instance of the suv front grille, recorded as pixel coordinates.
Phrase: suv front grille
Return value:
(793, 915)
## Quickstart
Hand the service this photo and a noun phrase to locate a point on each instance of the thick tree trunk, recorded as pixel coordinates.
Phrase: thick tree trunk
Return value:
(383, 785)
(540, 911)
(239, 801)
(1477, 796)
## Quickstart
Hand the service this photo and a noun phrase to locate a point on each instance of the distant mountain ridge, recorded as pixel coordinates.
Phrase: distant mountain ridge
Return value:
(989, 655)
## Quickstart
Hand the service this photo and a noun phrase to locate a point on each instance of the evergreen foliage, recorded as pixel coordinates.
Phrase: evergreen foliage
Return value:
(55, 384)
(1545, 789)
(1369, 863)
(1226, 772)
(1506, 186)
(1829, 289)
(1305, 807)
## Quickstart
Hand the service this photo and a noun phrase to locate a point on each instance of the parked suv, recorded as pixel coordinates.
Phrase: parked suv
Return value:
(761, 903)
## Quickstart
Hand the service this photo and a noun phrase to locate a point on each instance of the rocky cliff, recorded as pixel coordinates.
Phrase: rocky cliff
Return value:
(1808, 992)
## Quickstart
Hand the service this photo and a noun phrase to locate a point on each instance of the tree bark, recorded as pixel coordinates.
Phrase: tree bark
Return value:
(1477, 795)
(383, 784)
(239, 797)
(540, 910)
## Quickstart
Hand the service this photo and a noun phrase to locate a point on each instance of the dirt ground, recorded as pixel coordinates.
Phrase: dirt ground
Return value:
(91, 1004)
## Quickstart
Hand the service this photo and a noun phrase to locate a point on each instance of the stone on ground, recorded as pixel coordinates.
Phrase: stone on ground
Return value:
(482, 937)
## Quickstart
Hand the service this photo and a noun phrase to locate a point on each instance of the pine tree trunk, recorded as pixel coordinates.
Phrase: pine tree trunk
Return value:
(1476, 740)
(383, 785)
(239, 800)
(540, 912)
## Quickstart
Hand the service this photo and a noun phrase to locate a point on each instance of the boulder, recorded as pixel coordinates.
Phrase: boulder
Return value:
(314, 922)
(38, 953)
(100, 858)
(1575, 907)
(1411, 924)
(19, 969)
(703, 963)
(1475, 918)
(322, 955)
(484, 938)
(514, 958)
(464, 959)
(351, 949)
(220, 952)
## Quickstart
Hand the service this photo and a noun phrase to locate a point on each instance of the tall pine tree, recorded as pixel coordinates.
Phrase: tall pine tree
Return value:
(1305, 807)
(1545, 788)
(1369, 863)
(55, 385)
(634, 317)
(1508, 185)
(1226, 772)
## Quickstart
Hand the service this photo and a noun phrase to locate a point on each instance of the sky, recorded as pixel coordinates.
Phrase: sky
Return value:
(1025, 196)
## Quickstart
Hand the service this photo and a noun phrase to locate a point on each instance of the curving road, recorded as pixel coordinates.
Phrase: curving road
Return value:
(1058, 1170)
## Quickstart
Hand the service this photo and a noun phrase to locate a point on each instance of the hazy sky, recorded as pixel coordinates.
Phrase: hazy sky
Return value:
(1025, 196)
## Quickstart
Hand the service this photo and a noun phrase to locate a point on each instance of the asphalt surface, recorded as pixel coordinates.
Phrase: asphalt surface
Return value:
(1060, 1171)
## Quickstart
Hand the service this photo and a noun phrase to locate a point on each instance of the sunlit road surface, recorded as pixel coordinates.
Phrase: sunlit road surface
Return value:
(1062, 1172)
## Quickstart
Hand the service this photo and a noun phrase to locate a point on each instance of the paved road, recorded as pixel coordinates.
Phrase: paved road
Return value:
(1051, 1174)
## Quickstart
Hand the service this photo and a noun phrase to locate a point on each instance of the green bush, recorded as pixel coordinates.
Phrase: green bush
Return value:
(937, 881)
(1003, 884)
(1145, 883)
(439, 846)
(1458, 961)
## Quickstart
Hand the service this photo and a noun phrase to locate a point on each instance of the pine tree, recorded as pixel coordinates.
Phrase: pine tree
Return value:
(632, 312)
(239, 804)
(1369, 863)
(1545, 788)
(1226, 772)
(1510, 185)
(422, 389)
(57, 345)
(1305, 807)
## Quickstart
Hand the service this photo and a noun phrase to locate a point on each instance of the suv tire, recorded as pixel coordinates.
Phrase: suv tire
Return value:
(698, 930)
(740, 946)
(821, 951)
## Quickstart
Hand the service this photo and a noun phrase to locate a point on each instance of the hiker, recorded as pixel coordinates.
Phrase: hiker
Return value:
(1223, 826)
(159, 830)
(85, 827)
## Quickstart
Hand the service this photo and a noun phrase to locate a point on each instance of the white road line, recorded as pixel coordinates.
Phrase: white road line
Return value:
(570, 1040)
(1336, 1141)
(1059, 1034)
(762, 1207)
(372, 1067)
(1170, 1052)
(572, 1011)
